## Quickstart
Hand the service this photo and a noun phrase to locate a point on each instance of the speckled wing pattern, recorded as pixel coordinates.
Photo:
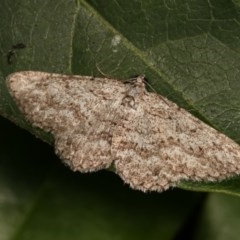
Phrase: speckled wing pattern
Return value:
(96, 122)
(60, 104)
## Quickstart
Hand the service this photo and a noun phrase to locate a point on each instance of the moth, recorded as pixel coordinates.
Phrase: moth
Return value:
(151, 142)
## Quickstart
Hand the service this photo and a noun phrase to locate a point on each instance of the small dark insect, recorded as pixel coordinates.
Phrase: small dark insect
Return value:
(11, 52)
(19, 46)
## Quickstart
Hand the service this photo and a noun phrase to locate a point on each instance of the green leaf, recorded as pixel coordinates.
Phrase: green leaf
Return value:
(189, 51)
